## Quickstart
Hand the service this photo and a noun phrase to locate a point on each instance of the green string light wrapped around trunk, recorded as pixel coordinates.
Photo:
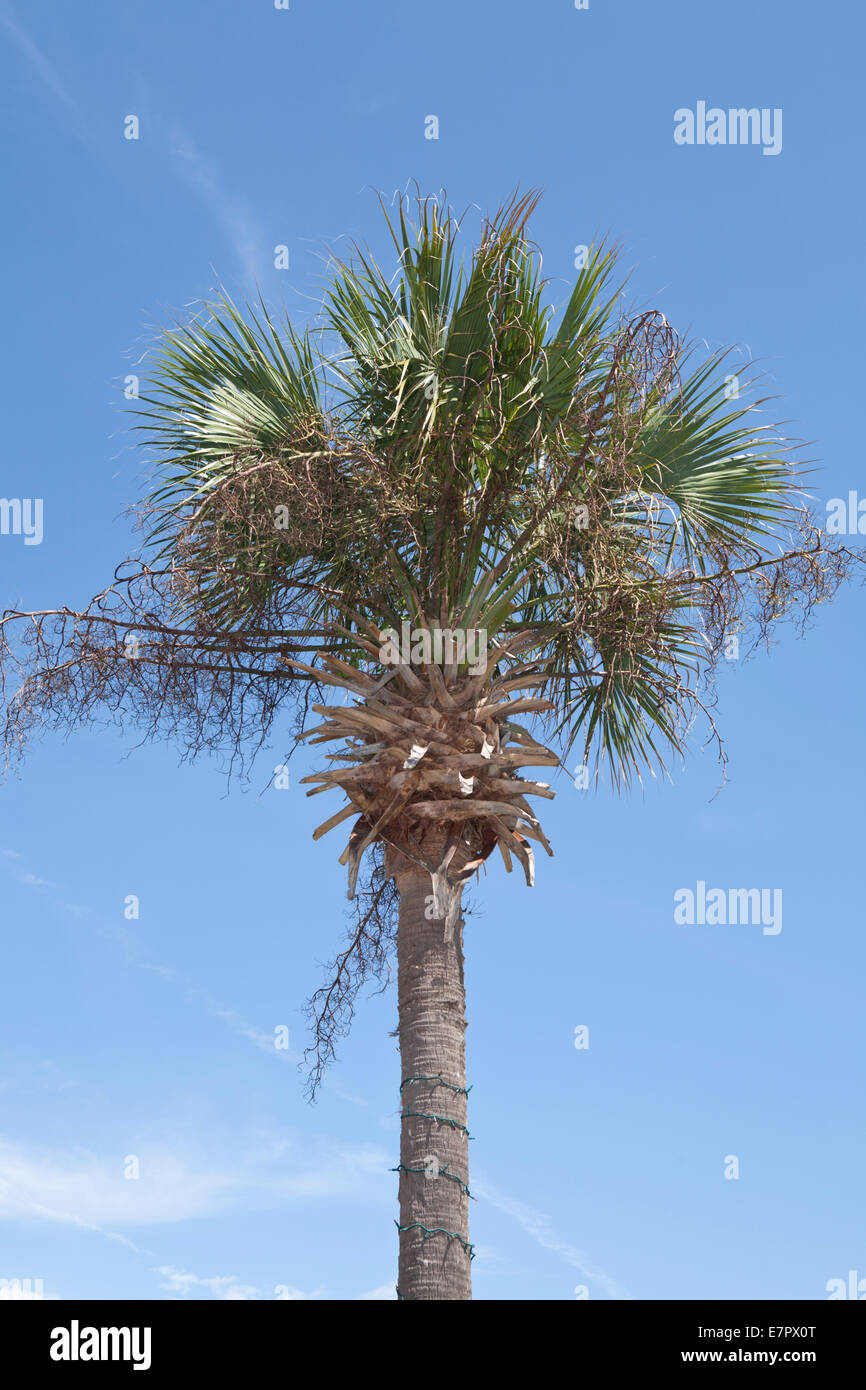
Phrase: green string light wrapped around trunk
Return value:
(438, 1231)
(439, 1119)
(462, 1090)
(442, 1173)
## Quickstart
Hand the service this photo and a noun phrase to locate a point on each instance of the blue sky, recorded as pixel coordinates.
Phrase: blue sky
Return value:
(152, 1038)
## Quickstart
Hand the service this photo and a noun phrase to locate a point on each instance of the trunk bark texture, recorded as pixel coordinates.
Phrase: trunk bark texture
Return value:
(434, 1150)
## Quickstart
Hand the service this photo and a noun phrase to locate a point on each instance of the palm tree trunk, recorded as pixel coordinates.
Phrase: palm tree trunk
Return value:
(434, 1152)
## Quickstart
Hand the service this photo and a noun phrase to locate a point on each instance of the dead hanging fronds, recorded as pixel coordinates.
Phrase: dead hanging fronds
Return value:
(128, 660)
(648, 354)
(364, 960)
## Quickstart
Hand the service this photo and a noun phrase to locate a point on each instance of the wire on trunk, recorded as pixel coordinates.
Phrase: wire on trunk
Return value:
(438, 1231)
(462, 1090)
(442, 1173)
(440, 1120)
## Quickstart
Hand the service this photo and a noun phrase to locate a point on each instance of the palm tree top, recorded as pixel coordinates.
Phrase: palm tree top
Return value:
(444, 449)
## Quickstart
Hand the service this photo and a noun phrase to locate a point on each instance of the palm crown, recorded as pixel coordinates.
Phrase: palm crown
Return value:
(462, 459)
(449, 456)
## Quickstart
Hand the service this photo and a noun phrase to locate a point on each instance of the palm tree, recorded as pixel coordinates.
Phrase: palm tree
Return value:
(457, 513)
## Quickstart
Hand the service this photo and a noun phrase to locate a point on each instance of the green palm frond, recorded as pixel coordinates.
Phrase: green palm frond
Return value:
(464, 454)
(713, 463)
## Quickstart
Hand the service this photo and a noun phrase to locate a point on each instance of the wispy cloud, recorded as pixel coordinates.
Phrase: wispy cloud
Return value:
(198, 172)
(201, 175)
(89, 1194)
(379, 1295)
(126, 941)
(26, 877)
(540, 1228)
(227, 1288)
(39, 62)
(221, 1286)
(90, 1191)
(15, 866)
